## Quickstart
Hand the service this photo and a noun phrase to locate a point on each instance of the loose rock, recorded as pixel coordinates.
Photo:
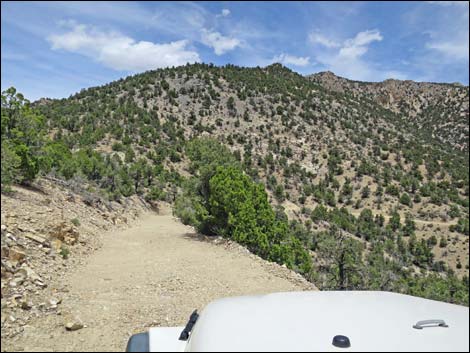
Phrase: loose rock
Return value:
(73, 326)
(15, 255)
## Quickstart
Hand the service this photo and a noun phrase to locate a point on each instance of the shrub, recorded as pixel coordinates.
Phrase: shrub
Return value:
(392, 190)
(239, 209)
(190, 211)
(118, 147)
(454, 211)
(443, 242)
(75, 222)
(155, 193)
(405, 199)
(64, 252)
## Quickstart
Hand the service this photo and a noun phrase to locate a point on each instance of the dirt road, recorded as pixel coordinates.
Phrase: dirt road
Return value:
(153, 274)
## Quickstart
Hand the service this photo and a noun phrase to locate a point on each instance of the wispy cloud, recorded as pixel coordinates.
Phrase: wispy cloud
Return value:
(318, 38)
(220, 43)
(413, 40)
(179, 19)
(450, 38)
(345, 58)
(443, 27)
(196, 23)
(358, 46)
(287, 59)
(121, 52)
(457, 49)
(449, 3)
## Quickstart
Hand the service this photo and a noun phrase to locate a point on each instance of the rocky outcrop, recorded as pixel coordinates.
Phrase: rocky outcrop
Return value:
(41, 243)
(440, 108)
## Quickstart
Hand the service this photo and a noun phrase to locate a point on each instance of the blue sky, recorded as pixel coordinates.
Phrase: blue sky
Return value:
(54, 49)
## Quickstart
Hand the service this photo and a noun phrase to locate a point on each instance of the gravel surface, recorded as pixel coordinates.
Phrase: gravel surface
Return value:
(152, 274)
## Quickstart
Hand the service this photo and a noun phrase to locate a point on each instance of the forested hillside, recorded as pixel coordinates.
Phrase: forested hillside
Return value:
(349, 189)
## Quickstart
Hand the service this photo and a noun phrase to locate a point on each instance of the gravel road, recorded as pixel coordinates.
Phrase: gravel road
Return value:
(152, 274)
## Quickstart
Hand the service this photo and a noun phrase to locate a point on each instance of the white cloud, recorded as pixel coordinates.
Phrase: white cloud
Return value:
(350, 48)
(364, 38)
(357, 46)
(346, 58)
(221, 44)
(318, 38)
(292, 60)
(120, 52)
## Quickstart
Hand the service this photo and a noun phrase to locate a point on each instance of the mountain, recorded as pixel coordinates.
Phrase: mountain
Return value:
(437, 109)
(367, 181)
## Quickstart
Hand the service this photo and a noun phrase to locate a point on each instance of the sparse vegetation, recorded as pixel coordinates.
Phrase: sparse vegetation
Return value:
(333, 184)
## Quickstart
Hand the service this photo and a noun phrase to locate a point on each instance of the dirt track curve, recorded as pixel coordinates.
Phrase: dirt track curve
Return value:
(153, 274)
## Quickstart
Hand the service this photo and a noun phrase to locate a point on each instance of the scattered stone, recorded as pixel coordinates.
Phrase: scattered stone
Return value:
(25, 229)
(8, 266)
(65, 233)
(4, 228)
(37, 238)
(73, 325)
(5, 252)
(26, 304)
(15, 255)
(40, 283)
(53, 303)
(16, 282)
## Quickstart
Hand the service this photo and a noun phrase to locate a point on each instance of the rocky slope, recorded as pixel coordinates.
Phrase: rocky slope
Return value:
(438, 109)
(48, 229)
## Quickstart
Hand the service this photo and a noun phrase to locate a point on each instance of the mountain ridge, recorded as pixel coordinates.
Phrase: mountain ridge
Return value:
(416, 100)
